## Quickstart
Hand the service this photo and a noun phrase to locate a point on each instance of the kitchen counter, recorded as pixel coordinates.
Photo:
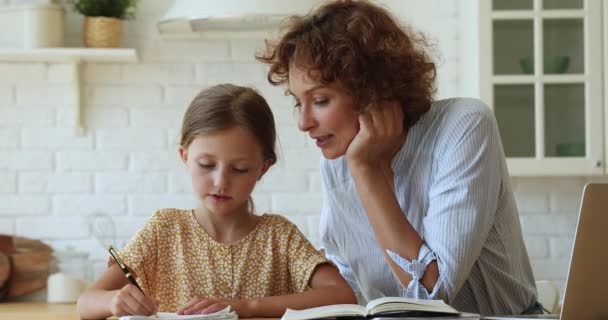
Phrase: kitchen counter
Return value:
(38, 310)
(42, 311)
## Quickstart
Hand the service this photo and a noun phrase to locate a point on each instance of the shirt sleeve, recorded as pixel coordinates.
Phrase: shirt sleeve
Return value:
(463, 200)
(303, 259)
(140, 253)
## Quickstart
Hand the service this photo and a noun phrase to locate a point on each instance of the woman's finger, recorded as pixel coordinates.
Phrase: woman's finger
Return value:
(389, 111)
(397, 117)
(377, 120)
(365, 123)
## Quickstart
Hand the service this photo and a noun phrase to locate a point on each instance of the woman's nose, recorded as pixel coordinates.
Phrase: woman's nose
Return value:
(306, 120)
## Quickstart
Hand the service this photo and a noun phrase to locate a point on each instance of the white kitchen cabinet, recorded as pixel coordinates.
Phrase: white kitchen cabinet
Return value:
(541, 73)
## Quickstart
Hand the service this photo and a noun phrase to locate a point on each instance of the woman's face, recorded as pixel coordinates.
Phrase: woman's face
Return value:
(326, 112)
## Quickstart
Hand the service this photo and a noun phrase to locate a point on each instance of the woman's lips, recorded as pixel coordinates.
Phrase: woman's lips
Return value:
(323, 141)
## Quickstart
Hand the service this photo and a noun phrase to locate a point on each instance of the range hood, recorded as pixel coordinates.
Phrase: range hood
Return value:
(186, 16)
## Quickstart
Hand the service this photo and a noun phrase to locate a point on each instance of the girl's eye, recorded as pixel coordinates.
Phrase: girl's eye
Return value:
(238, 170)
(206, 166)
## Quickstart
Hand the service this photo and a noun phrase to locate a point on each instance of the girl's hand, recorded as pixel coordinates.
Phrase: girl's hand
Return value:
(380, 136)
(131, 301)
(204, 306)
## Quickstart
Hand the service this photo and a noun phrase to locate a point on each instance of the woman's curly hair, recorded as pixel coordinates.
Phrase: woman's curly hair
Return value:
(361, 47)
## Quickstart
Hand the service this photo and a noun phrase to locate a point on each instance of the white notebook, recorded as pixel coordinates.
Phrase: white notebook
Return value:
(224, 314)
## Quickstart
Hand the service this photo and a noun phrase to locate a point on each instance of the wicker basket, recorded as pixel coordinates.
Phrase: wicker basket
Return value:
(102, 32)
(25, 265)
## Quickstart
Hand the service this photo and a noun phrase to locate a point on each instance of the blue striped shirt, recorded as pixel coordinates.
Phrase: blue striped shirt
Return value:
(452, 184)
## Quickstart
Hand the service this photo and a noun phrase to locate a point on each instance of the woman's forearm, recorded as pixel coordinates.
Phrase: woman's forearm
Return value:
(93, 304)
(375, 187)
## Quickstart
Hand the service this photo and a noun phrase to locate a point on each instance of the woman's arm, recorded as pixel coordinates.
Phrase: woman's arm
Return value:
(391, 228)
(327, 287)
(380, 137)
(462, 199)
(113, 295)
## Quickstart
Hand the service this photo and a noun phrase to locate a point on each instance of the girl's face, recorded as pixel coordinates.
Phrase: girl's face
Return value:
(326, 113)
(224, 166)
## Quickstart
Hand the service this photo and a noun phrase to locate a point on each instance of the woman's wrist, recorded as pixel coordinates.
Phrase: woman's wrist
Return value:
(362, 169)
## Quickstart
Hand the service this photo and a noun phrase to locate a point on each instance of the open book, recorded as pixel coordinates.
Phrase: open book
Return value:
(224, 314)
(387, 306)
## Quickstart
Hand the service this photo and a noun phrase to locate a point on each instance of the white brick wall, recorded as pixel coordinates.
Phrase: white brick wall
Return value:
(126, 165)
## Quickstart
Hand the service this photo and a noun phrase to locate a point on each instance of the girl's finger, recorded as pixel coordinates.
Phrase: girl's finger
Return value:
(132, 307)
(214, 308)
(141, 303)
(197, 308)
(189, 305)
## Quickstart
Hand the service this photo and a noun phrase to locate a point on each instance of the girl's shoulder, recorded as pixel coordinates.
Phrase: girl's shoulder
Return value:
(171, 216)
(272, 220)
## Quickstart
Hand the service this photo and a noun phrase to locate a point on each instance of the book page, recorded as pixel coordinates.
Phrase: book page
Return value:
(388, 304)
(337, 310)
(224, 314)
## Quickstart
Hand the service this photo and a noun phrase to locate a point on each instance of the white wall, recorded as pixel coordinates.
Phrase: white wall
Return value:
(126, 165)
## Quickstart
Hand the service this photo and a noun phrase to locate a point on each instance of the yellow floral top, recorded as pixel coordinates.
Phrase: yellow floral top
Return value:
(175, 260)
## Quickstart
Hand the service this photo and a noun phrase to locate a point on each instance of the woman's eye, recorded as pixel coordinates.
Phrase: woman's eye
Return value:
(297, 105)
(321, 101)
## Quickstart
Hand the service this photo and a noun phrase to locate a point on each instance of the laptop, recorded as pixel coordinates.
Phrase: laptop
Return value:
(585, 296)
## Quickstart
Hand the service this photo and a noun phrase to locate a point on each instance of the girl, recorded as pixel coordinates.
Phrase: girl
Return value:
(423, 183)
(221, 253)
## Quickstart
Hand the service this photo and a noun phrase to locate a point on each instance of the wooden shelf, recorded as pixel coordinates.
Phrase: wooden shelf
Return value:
(74, 57)
(68, 55)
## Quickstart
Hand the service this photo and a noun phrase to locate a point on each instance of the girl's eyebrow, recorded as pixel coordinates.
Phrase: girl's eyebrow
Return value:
(238, 158)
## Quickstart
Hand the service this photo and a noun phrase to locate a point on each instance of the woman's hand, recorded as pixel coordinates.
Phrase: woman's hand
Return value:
(380, 136)
(131, 301)
(204, 305)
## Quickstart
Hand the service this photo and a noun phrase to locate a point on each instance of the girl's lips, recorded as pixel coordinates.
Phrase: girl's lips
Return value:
(220, 198)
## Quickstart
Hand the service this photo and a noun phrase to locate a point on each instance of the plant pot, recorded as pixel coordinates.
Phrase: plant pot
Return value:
(102, 32)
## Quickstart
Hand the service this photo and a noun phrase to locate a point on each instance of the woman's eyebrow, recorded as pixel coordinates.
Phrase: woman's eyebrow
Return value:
(319, 86)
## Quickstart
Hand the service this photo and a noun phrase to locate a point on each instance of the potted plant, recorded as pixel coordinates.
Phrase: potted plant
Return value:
(103, 20)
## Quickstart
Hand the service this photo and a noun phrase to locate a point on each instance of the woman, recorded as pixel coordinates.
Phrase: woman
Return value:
(417, 195)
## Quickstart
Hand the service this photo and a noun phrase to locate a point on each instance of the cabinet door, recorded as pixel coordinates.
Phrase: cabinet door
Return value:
(541, 74)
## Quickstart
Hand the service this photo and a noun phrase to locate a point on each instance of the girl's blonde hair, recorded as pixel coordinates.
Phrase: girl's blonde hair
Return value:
(225, 106)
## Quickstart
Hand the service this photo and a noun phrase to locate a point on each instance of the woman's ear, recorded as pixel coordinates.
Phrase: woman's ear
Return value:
(183, 154)
(267, 164)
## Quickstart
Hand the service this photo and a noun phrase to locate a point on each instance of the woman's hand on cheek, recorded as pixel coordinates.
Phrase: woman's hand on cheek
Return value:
(380, 136)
